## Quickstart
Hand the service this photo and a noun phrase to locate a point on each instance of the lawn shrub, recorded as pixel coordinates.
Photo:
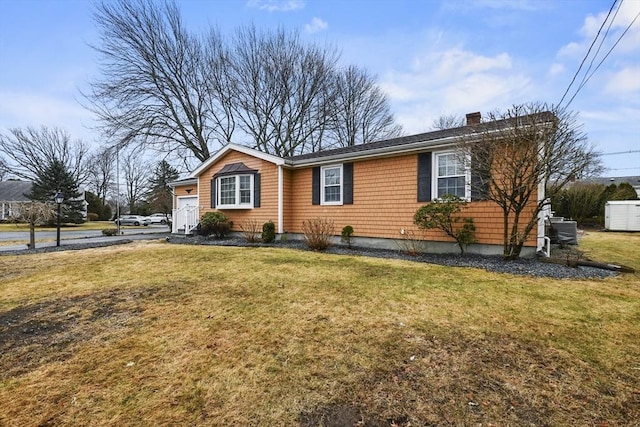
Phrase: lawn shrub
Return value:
(347, 233)
(443, 214)
(317, 233)
(215, 224)
(250, 230)
(268, 232)
(410, 244)
(109, 231)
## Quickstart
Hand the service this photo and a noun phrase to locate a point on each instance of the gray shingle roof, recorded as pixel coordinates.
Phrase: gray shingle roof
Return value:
(14, 191)
(428, 138)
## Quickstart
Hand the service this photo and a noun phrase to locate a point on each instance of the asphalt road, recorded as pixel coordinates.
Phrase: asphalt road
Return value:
(74, 236)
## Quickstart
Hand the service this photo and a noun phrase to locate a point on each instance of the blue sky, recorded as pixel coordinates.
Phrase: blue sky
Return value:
(432, 58)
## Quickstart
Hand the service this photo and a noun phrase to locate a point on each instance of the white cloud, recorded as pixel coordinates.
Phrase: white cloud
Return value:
(526, 5)
(556, 69)
(624, 81)
(572, 50)
(453, 81)
(316, 25)
(276, 5)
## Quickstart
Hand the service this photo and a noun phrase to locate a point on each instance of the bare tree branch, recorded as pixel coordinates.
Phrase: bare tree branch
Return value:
(32, 150)
(153, 84)
(516, 154)
(361, 110)
(136, 176)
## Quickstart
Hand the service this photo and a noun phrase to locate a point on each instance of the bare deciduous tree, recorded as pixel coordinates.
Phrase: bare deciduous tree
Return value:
(361, 111)
(34, 213)
(166, 88)
(153, 87)
(100, 170)
(448, 122)
(282, 89)
(135, 172)
(4, 169)
(31, 151)
(528, 148)
(136, 175)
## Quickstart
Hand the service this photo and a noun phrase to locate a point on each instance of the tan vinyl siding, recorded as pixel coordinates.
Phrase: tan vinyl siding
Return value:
(384, 202)
(268, 210)
(183, 190)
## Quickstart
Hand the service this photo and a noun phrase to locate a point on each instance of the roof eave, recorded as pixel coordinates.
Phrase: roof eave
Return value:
(188, 181)
(389, 151)
(241, 149)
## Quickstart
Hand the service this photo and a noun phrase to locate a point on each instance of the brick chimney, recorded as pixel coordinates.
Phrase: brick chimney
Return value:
(474, 118)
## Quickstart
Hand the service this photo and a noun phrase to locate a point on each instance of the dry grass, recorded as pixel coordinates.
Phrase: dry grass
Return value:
(157, 334)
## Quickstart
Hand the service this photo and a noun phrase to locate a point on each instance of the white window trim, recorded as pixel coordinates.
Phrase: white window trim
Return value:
(435, 176)
(322, 186)
(236, 205)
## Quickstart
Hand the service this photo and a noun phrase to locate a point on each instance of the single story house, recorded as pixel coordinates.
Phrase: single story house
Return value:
(376, 188)
(12, 194)
(633, 181)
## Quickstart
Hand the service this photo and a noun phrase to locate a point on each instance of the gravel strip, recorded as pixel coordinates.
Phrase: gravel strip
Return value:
(524, 266)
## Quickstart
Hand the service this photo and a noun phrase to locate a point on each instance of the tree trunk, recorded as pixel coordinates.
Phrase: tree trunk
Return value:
(32, 235)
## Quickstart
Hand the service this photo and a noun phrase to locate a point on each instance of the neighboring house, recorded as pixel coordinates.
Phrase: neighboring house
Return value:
(634, 181)
(12, 194)
(375, 187)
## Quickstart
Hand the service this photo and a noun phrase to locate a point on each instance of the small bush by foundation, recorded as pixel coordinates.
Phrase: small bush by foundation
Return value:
(250, 230)
(268, 232)
(317, 233)
(215, 224)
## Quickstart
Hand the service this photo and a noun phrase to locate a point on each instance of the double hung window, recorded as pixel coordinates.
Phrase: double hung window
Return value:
(235, 192)
(331, 185)
(451, 176)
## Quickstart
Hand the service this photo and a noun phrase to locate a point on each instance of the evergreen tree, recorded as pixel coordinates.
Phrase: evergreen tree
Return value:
(53, 178)
(160, 196)
(625, 191)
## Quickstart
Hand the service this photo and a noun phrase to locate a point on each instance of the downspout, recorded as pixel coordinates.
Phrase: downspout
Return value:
(280, 199)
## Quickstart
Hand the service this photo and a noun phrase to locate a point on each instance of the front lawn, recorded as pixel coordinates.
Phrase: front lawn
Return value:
(158, 334)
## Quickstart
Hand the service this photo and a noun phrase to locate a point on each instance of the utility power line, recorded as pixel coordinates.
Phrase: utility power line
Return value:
(575, 76)
(620, 152)
(587, 74)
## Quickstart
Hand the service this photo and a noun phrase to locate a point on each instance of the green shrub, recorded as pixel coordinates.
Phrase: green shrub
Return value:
(268, 232)
(215, 224)
(109, 231)
(317, 233)
(347, 233)
(443, 215)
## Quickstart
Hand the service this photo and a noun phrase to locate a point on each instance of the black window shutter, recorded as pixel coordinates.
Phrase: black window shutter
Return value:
(479, 183)
(347, 183)
(256, 190)
(424, 177)
(213, 193)
(315, 183)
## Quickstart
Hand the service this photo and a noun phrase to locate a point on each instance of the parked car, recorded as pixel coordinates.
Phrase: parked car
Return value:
(132, 220)
(160, 218)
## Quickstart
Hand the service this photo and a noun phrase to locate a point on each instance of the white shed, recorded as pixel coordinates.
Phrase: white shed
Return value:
(622, 215)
